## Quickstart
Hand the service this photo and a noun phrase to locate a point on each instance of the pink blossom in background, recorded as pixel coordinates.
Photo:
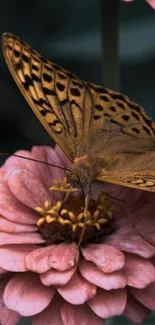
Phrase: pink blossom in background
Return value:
(62, 284)
(150, 2)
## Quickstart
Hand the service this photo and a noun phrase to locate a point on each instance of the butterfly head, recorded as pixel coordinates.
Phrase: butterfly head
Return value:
(78, 177)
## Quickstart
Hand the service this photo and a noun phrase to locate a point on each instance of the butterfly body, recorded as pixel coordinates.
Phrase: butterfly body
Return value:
(106, 136)
(87, 169)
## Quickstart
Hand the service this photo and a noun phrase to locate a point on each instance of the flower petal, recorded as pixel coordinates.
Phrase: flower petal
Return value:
(139, 271)
(151, 3)
(52, 312)
(77, 291)
(103, 280)
(13, 162)
(2, 272)
(9, 226)
(107, 258)
(9, 204)
(46, 172)
(132, 243)
(108, 303)
(60, 257)
(7, 316)
(135, 311)
(25, 294)
(12, 257)
(64, 257)
(79, 315)
(29, 238)
(38, 260)
(27, 188)
(57, 278)
(145, 296)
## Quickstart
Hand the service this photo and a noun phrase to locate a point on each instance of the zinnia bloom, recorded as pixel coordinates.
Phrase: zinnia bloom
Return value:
(150, 2)
(47, 272)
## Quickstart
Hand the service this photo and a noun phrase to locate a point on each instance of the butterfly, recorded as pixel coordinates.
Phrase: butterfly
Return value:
(106, 136)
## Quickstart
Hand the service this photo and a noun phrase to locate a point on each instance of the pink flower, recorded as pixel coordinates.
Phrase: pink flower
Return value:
(150, 2)
(45, 275)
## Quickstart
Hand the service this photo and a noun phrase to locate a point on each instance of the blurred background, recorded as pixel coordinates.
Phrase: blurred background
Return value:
(71, 33)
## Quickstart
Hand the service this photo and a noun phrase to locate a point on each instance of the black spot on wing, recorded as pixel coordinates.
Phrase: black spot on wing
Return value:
(48, 91)
(47, 77)
(99, 107)
(28, 82)
(25, 58)
(112, 108)
(35, 67)
(125, 117)
(60, 86)
(135, 130)
(16, 53)
(75, 92)
(35, 77)
(62, 76)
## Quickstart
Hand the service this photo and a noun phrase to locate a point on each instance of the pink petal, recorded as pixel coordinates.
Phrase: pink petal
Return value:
(79, 315)
(145, 226)
(57, 278)
(7, 238)
(51, 313)
(132, 243)
(77, 291)
(47, 172)
(8, 226)
(103, 280)
(151, 3)
(128, 0)
(60, 257)
(139, 271)
(107, 258)
(13, 163)
(39, 260)
(64, 257)
(25, 294)
(135, 311)
(62, 157)
(9, 204)
(12, 257)
(27, 188)
(2, 271)
(7, 317)
(108, 303)
(145, 296)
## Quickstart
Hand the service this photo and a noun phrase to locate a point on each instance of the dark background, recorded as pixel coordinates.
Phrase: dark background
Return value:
(69, 33)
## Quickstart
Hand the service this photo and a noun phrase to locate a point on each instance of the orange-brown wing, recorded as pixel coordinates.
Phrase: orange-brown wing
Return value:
(56, 96)
(138, 180)
(83, 118)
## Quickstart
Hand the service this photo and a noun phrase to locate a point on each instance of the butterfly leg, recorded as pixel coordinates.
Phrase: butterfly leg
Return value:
(86, 205)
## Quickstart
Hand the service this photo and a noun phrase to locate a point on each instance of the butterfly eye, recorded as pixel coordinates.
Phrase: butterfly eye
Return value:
(82, 178)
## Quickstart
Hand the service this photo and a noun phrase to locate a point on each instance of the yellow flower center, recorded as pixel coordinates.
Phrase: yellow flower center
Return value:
(65, 220)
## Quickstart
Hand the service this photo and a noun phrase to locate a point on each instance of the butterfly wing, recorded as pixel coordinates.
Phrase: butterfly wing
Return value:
(140, 181)
(56, 96)
(84, 118)
(136, 171)
(123, 132)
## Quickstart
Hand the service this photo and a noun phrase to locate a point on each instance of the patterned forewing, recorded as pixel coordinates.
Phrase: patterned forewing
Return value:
(56, 96)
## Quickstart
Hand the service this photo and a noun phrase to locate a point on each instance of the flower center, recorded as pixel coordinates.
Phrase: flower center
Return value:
(65, 220)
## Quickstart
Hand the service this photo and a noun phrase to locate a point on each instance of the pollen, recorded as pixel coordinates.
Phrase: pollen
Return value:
(58, 186)
(64, 220)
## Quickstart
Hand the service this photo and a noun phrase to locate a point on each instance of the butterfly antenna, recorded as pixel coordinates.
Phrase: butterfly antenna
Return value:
(32, 159)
